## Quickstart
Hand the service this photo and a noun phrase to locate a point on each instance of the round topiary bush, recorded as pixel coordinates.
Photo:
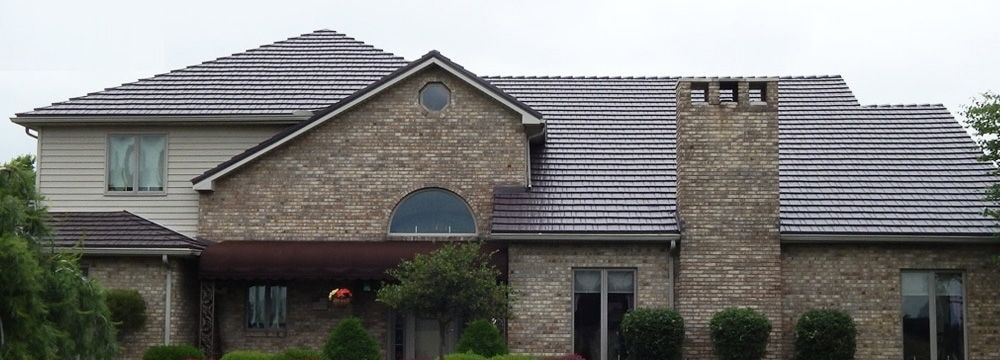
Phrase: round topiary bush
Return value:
(653, 334)
(172, 352)
(298, 354)
(349, 340)
(739, 334)
(128, 309)
(825, 334)
(481, 337)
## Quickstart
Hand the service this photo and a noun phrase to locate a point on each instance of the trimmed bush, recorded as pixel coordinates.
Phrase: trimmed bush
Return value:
(513, 357)
(299, 354)
(247, 355)
(172, 352)
(653, 334)
(464, 356)
(825, 334)
(481, 337)
(349, 340)
(128, 309)
(740, 334)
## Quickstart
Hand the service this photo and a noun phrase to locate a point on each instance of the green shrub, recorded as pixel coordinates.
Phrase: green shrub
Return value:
(128, 309)
(740, 334)
(564, 357)
(513, 357)
(247, 355)
(825, 334)
(653, 334)
(172, 352)
(350, 341)
(481, 337)
(299, 354)
(464, 356)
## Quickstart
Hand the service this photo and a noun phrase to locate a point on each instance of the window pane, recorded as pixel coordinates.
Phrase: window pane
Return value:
(152, 155)
(618, 305)
(279, 296)
(432, 212)
(256, 307)
(434, 96)
(587, 324)
(916, 318)
(587, 281)
(121, 162)
(621, 281)
(950, 320)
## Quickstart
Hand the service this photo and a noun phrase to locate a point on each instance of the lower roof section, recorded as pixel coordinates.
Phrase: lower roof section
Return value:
(118, 233)
(316, 260)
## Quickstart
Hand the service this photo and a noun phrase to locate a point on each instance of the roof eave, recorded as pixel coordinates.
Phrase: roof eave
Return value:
(588, 237)
(841, 238)
(292, 118)
(137, 251)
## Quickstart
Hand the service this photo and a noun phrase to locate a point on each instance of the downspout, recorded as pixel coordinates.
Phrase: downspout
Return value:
(673, 274)
(166, 300)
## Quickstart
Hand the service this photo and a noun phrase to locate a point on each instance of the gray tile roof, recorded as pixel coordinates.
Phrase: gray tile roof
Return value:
(310, 71)
(115, 229)
(608, 164)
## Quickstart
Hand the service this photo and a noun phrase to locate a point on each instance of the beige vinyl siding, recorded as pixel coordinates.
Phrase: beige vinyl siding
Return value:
(72, 168)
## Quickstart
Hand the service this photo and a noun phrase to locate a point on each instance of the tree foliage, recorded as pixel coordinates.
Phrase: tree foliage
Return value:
(983, 116)
(453, 282)
(481, 337)
(128, 309)
(48, 309)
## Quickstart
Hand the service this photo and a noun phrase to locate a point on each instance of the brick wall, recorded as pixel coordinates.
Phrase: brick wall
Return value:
(727, 197)
(342, 180)
(864, 280)
(309, 317)
(542, 278)
(148, 275)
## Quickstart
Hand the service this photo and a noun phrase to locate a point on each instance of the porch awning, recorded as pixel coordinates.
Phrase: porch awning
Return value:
(316, 260)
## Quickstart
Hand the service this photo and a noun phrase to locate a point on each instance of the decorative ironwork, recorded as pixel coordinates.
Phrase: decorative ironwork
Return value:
(206, 329)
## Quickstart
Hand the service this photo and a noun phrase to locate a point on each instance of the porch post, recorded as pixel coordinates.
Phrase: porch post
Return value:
(206, 329)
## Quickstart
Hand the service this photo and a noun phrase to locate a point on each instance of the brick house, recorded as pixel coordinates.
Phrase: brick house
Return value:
(236, 193)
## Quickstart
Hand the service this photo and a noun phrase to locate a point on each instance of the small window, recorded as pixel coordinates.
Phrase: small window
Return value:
(267, 307)
(136, 163)
(933, 315)
(432, 212)
(435, 96)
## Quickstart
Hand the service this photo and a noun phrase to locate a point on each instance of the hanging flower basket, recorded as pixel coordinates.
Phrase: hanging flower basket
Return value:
(340, 297)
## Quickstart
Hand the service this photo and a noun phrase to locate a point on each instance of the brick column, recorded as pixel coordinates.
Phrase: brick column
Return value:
(727, 197)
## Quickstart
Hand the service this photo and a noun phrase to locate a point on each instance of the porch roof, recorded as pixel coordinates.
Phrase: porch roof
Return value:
(316, 260)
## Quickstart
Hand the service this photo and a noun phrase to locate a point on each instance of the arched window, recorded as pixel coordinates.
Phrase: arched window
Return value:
(432, 212)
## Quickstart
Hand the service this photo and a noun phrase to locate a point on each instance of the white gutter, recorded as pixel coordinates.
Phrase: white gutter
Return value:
(163, 119)
(167, 290)
(888, 238)
(585, 237)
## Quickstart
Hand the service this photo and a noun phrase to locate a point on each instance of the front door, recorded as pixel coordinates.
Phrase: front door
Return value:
(418, 338)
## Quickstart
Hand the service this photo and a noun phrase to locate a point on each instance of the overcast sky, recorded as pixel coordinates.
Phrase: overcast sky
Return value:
(889, 52)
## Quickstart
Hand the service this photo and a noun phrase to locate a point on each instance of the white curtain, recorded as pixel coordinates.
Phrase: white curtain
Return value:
(620, 282)
(587, 281)
(278, 308)
(121, 160)
(152, 152)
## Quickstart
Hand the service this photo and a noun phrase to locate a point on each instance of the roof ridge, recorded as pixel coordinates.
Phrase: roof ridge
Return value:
(904, 105)
(580, 77)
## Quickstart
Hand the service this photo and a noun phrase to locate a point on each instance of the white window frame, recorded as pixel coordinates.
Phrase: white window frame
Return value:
(932, 307)
(135, 176)
(604, 302)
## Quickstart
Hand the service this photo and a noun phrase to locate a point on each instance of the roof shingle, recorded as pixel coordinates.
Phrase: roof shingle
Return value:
(115, 229)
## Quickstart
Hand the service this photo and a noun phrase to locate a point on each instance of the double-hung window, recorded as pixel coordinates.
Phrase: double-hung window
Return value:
(136, 163)
(267, 307)
(933, 315)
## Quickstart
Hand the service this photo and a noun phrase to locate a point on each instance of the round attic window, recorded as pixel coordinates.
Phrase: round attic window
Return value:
(435, 96)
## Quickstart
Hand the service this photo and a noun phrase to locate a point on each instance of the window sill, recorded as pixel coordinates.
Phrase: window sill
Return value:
(266, 333)
(135, 194)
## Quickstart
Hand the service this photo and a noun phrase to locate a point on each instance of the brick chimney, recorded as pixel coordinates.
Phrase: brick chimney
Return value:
(727, 200)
